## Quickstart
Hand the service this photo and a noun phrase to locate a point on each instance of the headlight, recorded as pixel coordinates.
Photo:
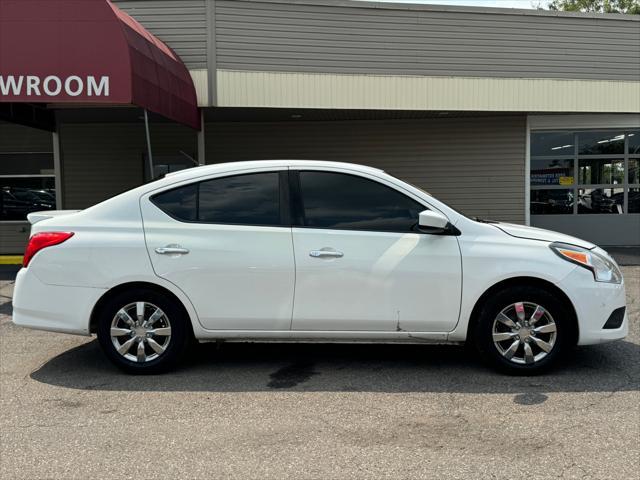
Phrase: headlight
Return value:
(603, 268)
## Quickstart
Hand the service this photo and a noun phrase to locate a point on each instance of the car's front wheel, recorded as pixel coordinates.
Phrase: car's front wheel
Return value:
(523, 330)
(143, 331)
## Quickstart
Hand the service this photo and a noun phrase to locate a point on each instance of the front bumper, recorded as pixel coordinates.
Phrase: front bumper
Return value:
(594, 303)
(52, 307)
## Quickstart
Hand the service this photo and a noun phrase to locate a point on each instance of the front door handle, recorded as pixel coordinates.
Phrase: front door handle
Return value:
(325, 254)
(172, 250)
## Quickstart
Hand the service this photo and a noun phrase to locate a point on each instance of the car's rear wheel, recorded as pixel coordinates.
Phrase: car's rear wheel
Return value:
(143, 331)
(523, 330)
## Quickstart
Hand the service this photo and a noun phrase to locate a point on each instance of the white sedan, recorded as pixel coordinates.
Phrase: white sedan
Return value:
(310, 251)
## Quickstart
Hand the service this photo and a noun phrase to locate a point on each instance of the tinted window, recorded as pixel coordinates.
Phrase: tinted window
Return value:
(592, 172)
(601, 143)
(634, 142)
(180, 202)
(551, 201)
(242, 199)
(252, 199)
(552, 143)
(27, 184)
(600, 200)
(340, 201)
(551, 172)
(20, 196)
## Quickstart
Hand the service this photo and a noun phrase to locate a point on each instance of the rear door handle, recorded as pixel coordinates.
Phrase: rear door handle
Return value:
(172, 250)
(326, 253)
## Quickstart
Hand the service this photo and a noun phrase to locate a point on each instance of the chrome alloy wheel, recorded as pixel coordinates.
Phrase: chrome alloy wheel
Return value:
(140, 332)
(524, 333)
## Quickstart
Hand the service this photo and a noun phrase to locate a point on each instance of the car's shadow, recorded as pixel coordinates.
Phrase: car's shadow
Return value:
(348, 368)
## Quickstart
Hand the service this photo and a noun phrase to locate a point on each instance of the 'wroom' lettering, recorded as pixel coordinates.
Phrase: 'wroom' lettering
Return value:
(53, 86)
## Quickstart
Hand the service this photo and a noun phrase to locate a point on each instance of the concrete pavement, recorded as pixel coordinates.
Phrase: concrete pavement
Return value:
(316, 411)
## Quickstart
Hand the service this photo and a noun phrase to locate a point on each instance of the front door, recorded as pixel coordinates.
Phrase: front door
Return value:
(361, 264)
(226, 243)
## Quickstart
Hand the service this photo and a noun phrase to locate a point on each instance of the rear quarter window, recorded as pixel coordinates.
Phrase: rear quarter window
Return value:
(179, 203)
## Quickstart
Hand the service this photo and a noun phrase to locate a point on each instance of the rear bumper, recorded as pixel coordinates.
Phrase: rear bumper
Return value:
(52, 307)
(594, 303)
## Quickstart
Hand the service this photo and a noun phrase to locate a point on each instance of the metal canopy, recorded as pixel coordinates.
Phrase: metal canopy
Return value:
(89, 52)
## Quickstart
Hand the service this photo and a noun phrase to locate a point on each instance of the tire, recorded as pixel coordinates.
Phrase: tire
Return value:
(513, 316)
(164, 340)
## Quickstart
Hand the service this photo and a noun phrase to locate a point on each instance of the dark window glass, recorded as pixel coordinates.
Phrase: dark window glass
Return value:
(634, 142)
(634, 200)
(180, 202)
(551, 201)
(600, 200)
(252, 199)
(601, 143)
(552, 172)
(21, 196)
(552, 143)
(340, 201)
(634, 170)
(26, 163)
(593, 172)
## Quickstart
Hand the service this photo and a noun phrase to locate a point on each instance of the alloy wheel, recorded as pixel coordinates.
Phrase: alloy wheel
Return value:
(524, 333)
(140, 332)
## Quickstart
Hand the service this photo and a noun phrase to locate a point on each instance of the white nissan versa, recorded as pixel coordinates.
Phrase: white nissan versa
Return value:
(310, 251)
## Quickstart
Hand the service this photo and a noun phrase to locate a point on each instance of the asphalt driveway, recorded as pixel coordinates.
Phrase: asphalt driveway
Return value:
(315, 411)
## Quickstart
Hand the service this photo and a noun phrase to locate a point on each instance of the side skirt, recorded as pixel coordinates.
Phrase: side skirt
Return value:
(325, 337)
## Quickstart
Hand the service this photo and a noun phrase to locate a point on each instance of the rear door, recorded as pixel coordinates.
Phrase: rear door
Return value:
(361, 263)
(226, 243)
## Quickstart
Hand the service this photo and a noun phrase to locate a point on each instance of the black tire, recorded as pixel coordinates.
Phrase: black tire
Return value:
(556, 311)
(176, 343)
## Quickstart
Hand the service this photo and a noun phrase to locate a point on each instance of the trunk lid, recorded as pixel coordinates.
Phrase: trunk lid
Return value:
(36, 217)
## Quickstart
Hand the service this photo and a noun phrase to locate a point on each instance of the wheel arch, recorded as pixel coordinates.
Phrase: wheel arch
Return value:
(525, 282)
(93, 319)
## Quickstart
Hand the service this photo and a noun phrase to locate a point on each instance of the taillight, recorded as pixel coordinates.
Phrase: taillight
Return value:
(43, 240)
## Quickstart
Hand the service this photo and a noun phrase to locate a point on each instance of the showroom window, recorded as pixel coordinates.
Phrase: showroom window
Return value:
(27, 181)
(585, 172)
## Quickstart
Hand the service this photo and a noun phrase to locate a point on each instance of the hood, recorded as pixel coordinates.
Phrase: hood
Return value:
(532, 233)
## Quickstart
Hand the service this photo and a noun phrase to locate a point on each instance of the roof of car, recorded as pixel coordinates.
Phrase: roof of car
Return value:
(230, 166)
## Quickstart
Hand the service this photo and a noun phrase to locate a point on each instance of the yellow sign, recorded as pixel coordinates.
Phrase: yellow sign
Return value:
(566, 180)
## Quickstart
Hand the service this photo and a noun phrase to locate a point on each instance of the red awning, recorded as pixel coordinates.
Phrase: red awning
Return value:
(89, 52)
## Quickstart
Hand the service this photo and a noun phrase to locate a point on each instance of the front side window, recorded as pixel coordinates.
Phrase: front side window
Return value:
(251, 199)
(342, 201)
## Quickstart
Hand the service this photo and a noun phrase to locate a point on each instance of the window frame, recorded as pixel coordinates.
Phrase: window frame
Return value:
(297, 201)
(283, 199)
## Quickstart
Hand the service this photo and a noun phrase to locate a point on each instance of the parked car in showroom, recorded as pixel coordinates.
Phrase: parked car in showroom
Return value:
(310, 251)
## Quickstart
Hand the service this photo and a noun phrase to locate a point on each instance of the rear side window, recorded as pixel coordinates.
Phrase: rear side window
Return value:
(342, 201)
(252, 199)
(180, 203)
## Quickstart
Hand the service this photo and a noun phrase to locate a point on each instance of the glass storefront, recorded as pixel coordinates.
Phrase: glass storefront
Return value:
(585, 172)
(27, 184)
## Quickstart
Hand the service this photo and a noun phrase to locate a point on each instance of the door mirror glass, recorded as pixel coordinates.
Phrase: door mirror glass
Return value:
(430, 220)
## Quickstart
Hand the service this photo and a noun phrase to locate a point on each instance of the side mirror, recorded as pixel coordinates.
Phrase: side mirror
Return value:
(436, 223)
